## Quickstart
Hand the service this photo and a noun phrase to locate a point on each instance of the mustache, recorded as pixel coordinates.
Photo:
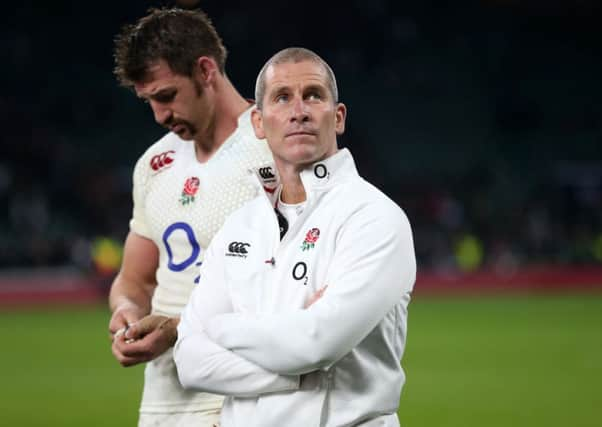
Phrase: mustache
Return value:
(171, 123)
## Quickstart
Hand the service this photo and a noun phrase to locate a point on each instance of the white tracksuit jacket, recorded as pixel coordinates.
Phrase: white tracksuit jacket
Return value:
(246, 334)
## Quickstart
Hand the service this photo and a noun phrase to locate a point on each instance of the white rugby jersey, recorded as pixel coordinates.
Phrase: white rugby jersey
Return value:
(245, 332)
(180, 204)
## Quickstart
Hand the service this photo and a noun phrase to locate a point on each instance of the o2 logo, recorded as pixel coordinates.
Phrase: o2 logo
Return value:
(195, 248)
(300, 272)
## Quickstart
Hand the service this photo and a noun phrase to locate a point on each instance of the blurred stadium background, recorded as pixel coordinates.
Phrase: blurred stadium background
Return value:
(482, 119)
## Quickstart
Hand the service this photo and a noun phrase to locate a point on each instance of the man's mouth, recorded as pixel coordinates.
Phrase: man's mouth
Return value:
(301, 133)
(177, 129)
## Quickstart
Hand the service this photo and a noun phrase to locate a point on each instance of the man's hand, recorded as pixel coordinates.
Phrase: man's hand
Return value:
(125, 315)
(145, 339)
(315, 297)
(131, 293)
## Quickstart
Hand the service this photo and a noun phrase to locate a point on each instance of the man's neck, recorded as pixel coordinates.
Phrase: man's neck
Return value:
(293, 191)
(228, 107)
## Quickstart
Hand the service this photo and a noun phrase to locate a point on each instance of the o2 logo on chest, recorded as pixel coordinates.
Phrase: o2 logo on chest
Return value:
(193, 249)
(300, 272)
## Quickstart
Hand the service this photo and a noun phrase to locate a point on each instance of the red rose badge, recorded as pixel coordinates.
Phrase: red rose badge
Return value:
(310, 239)
(191, 186)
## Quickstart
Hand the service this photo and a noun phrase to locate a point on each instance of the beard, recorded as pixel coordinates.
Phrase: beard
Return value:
(183, 128)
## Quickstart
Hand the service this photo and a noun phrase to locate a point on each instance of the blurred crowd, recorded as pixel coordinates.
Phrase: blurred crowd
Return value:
(482, 120)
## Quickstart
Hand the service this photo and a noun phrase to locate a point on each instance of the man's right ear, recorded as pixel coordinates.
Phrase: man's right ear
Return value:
(257, 120)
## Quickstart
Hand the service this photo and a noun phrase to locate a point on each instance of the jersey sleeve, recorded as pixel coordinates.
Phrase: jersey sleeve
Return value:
(138, 222)
(365, 281)
(206, 366)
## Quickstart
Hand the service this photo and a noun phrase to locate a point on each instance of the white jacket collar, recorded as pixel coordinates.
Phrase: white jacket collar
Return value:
(326, 173)
(319, 176)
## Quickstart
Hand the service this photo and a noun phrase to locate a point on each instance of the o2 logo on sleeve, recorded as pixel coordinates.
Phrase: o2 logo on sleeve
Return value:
(194, 248)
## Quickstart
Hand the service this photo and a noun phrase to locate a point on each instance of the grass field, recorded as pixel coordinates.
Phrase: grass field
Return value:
(480, 361)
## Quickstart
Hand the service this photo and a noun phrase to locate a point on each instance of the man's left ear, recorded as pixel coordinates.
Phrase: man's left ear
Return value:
(339, 118)
(206, 67)
(257, 121)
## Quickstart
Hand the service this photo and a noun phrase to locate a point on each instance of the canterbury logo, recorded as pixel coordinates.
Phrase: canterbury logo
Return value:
(266, 173)
(161, 160)
(238, 248)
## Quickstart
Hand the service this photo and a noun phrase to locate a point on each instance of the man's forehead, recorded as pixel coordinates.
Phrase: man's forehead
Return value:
(303, 72)
(158, 76)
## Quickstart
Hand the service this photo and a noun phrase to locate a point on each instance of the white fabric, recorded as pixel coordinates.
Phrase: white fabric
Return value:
(249, 307)
(182, 228)
(182, 419)
(290, 211)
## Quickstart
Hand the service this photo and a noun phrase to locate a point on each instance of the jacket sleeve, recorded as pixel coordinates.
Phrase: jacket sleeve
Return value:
(206, 366)
(373, 269)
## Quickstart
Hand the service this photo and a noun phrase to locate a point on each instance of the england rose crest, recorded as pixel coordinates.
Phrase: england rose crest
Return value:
(191, 186)
(310, 239)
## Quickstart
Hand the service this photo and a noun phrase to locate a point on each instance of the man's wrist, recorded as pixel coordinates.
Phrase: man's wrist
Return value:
(170, 326)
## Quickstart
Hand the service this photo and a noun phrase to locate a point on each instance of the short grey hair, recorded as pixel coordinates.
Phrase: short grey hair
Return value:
(294, 55)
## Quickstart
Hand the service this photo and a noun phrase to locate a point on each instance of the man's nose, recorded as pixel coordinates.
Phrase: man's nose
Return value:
(299, 111)
(162, 113)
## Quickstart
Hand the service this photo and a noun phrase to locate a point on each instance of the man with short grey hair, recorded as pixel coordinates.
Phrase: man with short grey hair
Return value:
(295, 54)
(300, 316)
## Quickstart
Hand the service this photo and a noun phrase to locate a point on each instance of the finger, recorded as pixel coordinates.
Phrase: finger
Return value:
(117, 322)
(125, 360)
(115, 335)
(133, 331)
(131, 348)
(120, 332)
(145, 326)
(144, 347)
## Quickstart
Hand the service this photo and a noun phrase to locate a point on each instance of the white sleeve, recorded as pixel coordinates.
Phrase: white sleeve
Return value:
(141, 181)
(206, 366)
(373, 268)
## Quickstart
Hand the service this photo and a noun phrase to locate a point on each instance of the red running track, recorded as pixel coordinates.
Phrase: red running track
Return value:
(50, 287)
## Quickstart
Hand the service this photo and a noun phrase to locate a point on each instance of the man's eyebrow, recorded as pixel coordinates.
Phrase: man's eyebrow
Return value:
(279, 88)
(315, 87)
(162, 91)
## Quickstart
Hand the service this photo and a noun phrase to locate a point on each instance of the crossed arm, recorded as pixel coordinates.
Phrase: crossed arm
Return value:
(365, 282)
(207, 366)
(240, 353)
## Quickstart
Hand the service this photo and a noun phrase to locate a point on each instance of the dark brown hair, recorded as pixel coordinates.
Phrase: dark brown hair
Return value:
(175, 35)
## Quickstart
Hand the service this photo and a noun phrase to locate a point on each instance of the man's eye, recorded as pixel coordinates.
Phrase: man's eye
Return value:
(314, 96)
(165, 97)
(282, 98)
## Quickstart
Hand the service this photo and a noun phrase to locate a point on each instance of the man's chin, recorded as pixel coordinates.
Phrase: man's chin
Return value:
(302, 158)
(185, 134)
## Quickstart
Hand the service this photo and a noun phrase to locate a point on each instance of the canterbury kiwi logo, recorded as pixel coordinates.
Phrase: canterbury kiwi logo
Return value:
(266, 173)
(161, 160)
(238, 249)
